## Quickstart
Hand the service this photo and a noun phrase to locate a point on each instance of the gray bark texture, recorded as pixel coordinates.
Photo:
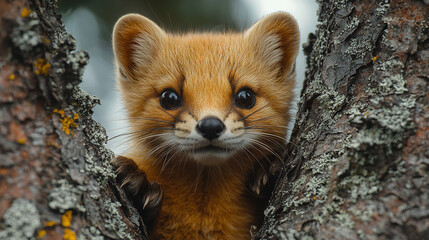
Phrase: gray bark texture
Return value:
(358, 158)
(55, 178)
(357, 163)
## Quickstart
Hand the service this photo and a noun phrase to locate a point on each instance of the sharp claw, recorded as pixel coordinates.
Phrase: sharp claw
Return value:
(265, 179)
(145, 203)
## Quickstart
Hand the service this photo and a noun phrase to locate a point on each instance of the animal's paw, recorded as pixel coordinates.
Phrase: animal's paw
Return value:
(261, 182)
(146, 196)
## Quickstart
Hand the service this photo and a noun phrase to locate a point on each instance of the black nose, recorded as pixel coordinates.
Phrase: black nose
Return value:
(210, 128)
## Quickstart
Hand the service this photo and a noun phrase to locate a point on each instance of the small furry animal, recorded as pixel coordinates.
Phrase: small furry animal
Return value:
(208, 114)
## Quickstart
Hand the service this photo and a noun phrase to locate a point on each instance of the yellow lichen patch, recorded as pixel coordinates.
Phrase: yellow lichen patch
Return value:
(374, 58)
(66, 218)
(366, 114)
(69, 234)
(50, 224)
(25, 12)
(11, 77)
(22, 140)
(61, 112)
(41, 234)
(315, 198)
(68, 123)
(42, 67)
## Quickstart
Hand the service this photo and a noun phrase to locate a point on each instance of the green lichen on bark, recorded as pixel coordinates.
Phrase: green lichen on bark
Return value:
(103, 171)
(91, 233)
(26, 35)
(20, 221)
(65, 196)
(113, 220)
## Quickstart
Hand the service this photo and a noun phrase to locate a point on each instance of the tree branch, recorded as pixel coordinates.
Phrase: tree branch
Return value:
(55, 177)
(357, 164)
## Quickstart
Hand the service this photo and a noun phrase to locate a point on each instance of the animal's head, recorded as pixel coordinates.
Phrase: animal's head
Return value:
(207, 97)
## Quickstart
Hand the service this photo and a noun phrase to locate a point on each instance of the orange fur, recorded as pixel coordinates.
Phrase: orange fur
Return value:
(205, 197)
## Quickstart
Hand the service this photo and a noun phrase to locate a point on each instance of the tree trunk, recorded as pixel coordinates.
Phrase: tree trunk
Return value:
(359, 153)
(55, 176)
(357, 165)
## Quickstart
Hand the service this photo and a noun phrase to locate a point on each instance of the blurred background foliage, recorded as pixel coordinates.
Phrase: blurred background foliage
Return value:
(172, 15)
(91, 23)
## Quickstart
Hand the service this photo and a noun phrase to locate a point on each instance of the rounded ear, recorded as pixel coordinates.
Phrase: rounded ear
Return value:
(275, 40)
(136, 40)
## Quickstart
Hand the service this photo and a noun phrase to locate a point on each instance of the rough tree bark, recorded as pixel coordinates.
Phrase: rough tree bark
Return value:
(55, 177)
(357, 165)
(359, 152)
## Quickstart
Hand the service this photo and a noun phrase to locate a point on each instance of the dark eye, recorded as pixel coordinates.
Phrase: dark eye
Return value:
(245, 98)
(170, 99)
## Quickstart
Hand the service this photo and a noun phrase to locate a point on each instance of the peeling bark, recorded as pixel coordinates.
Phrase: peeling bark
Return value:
(358, 156)
(357, 165)
(55, 177)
